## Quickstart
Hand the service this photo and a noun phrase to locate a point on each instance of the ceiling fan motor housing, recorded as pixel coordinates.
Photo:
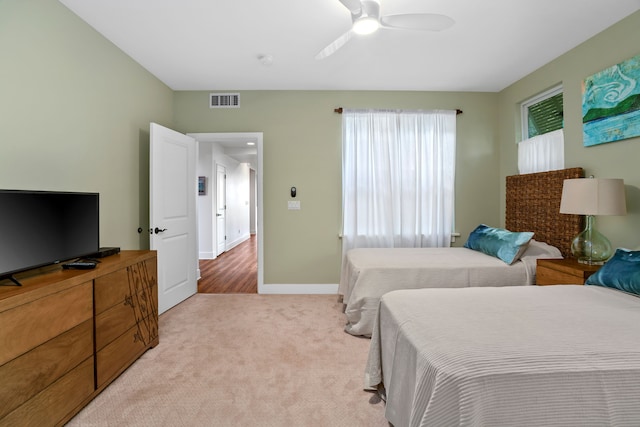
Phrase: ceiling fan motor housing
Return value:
(367, 20)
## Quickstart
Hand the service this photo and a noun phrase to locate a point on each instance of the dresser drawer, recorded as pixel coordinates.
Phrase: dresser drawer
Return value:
(115, 321)
(57, 402)
(111, 289)
(120, 353)
(27, 375)
(120, 286)
(29, 325)
(545, 276)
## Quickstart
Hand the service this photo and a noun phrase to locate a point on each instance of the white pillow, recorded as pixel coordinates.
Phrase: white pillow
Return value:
(538, 249)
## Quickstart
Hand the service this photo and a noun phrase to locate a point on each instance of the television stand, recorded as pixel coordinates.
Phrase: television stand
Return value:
(3, 281)
(65, 335)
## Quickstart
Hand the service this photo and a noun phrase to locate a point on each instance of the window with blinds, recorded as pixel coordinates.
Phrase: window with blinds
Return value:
(543, 113)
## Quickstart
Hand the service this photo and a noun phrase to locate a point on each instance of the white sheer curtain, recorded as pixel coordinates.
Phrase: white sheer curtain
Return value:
(398, 172)
(541, 153)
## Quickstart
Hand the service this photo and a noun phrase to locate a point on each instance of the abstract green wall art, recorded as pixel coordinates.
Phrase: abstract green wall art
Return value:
(611, 103)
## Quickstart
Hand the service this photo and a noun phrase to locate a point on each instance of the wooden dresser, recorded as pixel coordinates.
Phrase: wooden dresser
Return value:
(66, 334)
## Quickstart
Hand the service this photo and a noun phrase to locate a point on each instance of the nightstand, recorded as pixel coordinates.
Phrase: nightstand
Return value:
(563, 272)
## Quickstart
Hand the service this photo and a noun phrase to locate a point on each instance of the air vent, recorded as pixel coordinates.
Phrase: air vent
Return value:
(224, 100)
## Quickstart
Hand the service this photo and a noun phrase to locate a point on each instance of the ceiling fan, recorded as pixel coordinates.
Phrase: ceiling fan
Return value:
(366, 19)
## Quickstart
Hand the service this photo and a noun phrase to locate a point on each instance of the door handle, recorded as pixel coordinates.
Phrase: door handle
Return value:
(218, 214)
(158, 230)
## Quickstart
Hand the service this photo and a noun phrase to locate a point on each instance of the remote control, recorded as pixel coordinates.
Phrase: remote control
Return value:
(80, 265)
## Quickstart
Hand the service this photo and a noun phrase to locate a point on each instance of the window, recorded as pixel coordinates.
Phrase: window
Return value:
(398, 178)
(542, 145)
(543, 113)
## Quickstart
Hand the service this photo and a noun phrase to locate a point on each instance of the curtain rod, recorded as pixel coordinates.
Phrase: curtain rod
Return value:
(339, 111)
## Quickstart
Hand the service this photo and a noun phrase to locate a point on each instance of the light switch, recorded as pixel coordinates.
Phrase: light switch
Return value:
(294, 205)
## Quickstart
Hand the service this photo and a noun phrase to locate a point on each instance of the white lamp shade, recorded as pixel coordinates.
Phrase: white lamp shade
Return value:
(593, 196)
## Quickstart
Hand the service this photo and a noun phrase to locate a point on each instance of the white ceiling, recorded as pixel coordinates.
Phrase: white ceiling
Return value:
(215, 44)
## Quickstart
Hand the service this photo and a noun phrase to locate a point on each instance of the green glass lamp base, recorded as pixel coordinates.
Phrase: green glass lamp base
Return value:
(590, 246)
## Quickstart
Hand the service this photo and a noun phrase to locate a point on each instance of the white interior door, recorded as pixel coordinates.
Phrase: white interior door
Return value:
(221, 209)
(172, 208)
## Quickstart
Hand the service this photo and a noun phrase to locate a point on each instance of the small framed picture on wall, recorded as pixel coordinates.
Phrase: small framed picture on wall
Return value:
(202, 185)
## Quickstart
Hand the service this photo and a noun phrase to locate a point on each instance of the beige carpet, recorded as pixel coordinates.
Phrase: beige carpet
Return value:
(244, 360)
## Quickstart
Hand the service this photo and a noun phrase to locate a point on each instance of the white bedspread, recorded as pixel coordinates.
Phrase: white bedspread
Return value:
(510, 356)
(369, 273)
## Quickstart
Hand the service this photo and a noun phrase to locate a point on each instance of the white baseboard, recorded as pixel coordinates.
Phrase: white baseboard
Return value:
(206, 255)
(328, 289)
(228, 247)
(233, 244)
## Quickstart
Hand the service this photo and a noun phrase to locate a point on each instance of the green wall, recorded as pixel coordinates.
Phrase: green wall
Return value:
(75, 113)
(613, 160)
(302, 148)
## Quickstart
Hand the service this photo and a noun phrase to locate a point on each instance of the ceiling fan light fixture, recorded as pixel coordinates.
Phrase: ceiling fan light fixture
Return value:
(366, 25)
(366, 19)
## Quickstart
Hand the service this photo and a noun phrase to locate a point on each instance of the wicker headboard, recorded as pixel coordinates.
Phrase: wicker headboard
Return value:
(533, 204)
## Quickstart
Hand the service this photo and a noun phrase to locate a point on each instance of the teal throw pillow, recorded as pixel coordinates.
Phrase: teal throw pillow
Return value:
(498, 242)
(621, 272)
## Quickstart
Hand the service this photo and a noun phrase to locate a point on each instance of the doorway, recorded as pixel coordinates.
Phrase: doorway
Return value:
(242, 151)
(221, 209)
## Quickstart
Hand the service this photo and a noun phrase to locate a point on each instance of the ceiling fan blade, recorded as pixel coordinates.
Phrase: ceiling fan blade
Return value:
(354, 6)
(418, 21)
(335, 45)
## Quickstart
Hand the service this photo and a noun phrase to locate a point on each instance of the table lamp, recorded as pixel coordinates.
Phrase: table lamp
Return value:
(591, 197)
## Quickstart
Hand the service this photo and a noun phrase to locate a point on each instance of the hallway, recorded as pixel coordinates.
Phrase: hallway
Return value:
(233, 272)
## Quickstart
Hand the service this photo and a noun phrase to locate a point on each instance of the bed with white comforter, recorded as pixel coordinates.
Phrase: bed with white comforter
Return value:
(508, 356)
(369, 273)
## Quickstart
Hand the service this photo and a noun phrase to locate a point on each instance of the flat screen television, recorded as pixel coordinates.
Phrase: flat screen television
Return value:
(38, 228)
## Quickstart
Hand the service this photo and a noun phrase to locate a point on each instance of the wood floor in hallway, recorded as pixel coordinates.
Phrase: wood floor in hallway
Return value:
(233, 272)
